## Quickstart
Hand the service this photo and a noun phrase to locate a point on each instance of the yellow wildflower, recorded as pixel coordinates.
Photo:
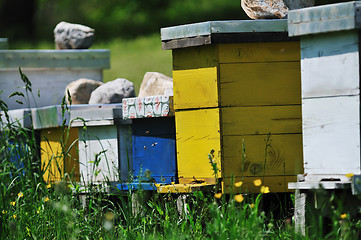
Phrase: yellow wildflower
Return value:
(46, 199)
(4, 211)
(12, 203)
(343, 216)
(239, 198)
(37, 211)
(218, 195)
(14, 216)
(264, 189)
(257, 182)
(238, 184)
(48, 186)
(20, 194)
(251, 205)
(349, 175)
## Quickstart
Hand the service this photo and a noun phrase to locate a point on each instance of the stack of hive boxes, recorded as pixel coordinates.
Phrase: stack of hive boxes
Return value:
(237, 84)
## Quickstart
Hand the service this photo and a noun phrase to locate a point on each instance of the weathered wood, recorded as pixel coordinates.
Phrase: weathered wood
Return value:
(217, 38)
(283, 156)
(331, 135)
(328, 18)
(196, 88)
(93, 59)
(261, 120)
(259, 52)
(53, 161)
(252, 84)
(195, 57)
(197, 135)
(330, 65)
(213, 27)
(98, 154)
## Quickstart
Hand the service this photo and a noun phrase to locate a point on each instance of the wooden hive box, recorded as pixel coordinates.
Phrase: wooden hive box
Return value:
(58, 143)
(98, 142)
(105, 148)
(235, 82)
(154, 154)
(49, 72)
(330, 64)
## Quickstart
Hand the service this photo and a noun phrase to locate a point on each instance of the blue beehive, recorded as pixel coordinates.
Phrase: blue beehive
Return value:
(153, 138)
(154, 149)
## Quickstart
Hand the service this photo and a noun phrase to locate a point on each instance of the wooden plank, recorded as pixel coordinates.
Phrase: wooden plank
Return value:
(328, 18)
(186, 42)
(98, 154)
(259, 52)
(125, 151)
(195, 88)
(233, 26)
(52, 158)
(197, 134)
(261, 120)
(195, 57)
(251, 84)
(330, 65)
(74, 59)
(284, 155)
(331, 135)
(275, 184)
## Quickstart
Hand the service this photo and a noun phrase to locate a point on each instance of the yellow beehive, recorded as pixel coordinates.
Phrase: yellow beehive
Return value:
(59, 154)
(235, 89)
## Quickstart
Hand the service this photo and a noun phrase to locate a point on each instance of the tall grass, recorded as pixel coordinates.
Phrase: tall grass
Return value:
(32, 209)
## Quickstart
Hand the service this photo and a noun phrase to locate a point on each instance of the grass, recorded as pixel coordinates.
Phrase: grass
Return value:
(130, 59)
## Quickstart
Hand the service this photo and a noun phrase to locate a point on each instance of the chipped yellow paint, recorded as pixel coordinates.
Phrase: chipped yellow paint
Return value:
(195, 88)
(197, 133)
(52, 159)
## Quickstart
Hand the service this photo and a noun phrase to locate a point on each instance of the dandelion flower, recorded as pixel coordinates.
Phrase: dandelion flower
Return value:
(238, 184)
(257, 182)
(20, 194)
(343, 216)
(48, 186)
(349, 175)
(12, 203)
(46, 199)
(239, 198)
(218, 195)
(264, 189)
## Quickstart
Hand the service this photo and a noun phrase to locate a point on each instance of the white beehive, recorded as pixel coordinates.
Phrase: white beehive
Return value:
(330, 71)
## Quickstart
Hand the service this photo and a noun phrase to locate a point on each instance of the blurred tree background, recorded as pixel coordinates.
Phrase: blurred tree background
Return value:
(34, 20)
